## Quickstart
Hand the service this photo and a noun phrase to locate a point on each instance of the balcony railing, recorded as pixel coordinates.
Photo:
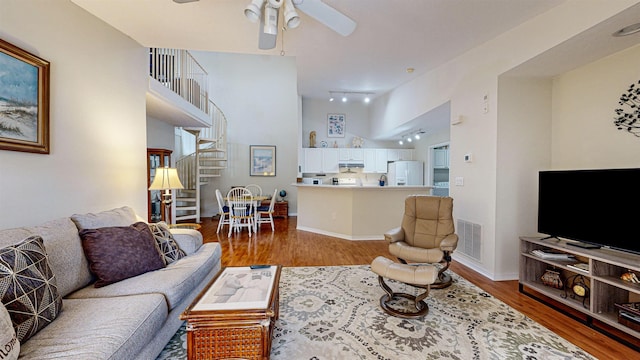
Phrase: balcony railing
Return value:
(180, 72)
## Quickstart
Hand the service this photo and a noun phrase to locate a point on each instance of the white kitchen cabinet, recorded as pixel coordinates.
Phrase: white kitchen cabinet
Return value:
(441, 158)
(399, 154)
(369, 161)
(312, 160)
(330, 161)
(349, 154)
(381, 160)
(375, 161)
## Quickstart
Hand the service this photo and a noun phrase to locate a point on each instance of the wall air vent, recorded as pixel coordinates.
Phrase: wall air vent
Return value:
(469, 239)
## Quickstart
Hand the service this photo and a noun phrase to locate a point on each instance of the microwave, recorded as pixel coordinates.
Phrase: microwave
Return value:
(312, 181)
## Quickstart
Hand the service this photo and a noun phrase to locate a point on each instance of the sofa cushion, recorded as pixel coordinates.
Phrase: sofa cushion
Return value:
(120, 252)
(9, 344)
(123, 216)
(175, 281)
(189, 240)
(167, 245)
(65, 254)
(28, 287)
(109, 328)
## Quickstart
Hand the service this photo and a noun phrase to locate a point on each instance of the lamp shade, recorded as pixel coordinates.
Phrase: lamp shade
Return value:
(166, 178)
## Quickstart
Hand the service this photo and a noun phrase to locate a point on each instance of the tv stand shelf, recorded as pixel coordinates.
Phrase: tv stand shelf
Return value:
(602, 278)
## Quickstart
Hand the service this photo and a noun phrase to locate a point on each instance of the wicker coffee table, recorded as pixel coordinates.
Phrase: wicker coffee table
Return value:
(234, 316)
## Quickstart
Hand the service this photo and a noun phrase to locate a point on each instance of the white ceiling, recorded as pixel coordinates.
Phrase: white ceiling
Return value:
(391, 36)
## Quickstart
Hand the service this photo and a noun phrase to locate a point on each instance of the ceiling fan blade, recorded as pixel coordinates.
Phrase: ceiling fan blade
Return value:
(184, 1)
(327, 15)
(265, 41)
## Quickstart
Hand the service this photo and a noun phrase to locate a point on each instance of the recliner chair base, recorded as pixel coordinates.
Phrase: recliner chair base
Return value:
(421, 310)
(420, 276)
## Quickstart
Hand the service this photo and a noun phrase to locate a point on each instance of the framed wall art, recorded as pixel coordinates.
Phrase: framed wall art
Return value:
(24, 100)
(336, 125)
(262, 160)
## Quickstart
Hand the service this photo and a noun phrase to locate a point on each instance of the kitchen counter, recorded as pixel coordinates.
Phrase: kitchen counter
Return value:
(353, 212)
(366, 187)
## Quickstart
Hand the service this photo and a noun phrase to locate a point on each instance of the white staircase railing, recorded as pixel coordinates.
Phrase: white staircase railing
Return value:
(206, 163)
(179, 71)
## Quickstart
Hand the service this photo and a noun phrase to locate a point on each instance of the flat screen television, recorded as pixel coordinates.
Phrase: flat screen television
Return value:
(596, 207)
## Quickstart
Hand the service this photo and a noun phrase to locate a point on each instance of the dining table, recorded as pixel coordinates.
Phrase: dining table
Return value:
(255, 201)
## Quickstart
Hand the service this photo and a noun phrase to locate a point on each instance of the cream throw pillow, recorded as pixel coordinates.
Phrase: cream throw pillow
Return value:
(9, 344)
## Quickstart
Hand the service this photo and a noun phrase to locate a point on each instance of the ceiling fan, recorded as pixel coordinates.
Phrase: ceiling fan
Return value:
(316, 9)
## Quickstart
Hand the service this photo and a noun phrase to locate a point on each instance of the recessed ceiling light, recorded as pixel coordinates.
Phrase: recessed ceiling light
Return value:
(628, 30)
(410, 70)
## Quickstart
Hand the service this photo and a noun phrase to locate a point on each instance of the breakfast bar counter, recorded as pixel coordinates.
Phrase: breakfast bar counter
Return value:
(353, 212)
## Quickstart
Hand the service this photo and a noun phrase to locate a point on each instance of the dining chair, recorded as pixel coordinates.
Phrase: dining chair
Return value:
(256, 190)
(240, 209)
(223, 210)
(265, 213)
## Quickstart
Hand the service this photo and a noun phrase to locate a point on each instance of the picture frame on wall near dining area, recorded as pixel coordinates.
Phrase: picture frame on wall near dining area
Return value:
(336, 125)
(262, 160)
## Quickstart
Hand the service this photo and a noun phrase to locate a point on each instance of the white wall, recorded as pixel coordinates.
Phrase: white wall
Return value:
(583, 133)
(97, 117)
(314, 118)
(465, 81)
(258, 95)
(524, 148)
(161, 135)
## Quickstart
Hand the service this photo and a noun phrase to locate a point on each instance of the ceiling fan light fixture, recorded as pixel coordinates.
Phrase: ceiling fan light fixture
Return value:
(291, 17)
(253, 11)
(270, 20)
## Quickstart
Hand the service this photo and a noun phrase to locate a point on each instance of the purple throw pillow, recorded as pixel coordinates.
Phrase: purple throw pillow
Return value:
(120, 252)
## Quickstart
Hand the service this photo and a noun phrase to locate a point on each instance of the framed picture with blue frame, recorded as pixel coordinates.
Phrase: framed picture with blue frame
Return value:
(262, 160)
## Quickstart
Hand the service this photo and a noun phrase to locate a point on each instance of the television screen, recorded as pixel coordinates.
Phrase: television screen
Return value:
(600, 207)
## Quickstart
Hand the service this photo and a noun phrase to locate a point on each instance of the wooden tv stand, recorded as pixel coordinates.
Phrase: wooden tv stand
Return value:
(603, 279)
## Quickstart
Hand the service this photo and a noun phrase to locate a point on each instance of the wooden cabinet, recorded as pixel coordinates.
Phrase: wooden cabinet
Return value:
(156, 158)
(281, 209)
(602, 277)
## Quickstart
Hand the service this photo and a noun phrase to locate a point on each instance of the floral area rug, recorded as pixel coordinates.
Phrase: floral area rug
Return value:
(333, 312)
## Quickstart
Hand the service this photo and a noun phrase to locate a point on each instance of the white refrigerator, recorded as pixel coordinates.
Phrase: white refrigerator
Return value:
(404, 173)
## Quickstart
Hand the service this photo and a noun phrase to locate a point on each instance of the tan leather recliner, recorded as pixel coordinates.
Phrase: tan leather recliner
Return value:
(427, 234)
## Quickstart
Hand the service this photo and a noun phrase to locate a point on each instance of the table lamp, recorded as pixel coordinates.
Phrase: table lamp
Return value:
(166, 179)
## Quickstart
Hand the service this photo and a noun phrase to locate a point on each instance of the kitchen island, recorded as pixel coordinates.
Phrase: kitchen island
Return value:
(353, 212)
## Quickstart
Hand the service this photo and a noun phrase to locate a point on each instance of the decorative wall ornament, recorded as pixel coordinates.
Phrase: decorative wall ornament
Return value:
(628, 116)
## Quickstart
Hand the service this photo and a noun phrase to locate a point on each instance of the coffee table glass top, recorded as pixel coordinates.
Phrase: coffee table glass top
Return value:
(239, 288)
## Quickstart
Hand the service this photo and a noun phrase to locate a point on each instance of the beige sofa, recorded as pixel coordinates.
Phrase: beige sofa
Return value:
(130, 319)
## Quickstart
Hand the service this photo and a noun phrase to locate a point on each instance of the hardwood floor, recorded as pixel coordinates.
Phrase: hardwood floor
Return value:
(290, 247)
